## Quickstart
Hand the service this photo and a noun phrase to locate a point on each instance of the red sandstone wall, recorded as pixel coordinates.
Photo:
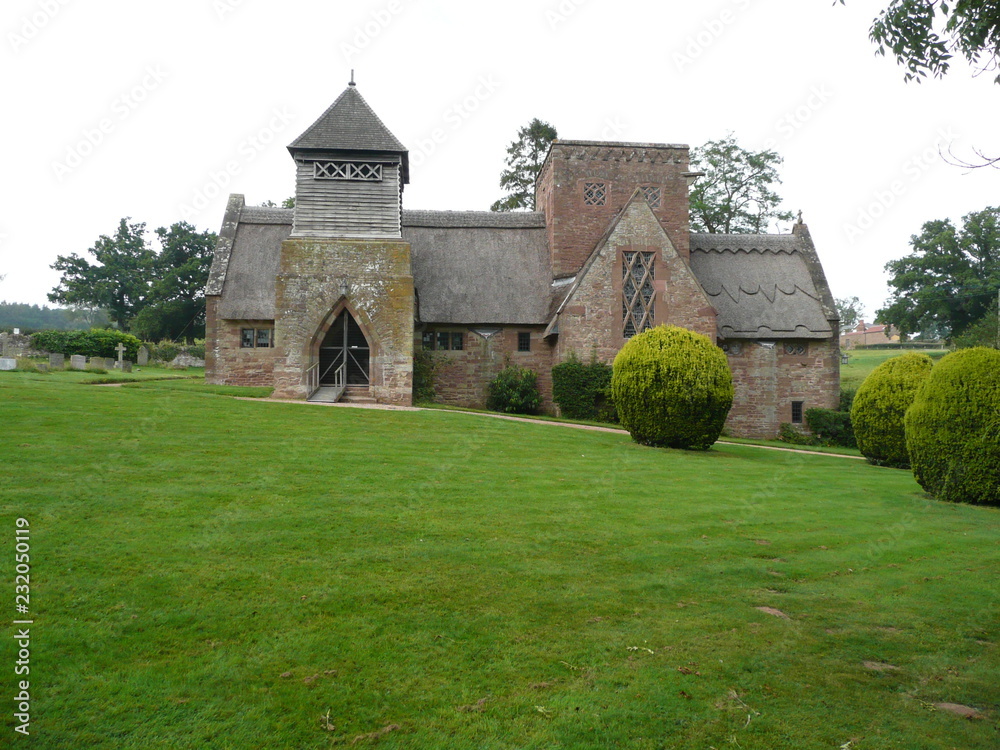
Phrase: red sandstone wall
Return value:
(463, 377)
(575, 228)
(591, 323)
(227, 364)
(767, 380)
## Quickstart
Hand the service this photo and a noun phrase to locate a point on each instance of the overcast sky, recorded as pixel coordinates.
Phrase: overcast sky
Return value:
(158, 111)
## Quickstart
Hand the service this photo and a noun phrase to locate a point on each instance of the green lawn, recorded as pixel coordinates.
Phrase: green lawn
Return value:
(215, 573)
(863, 361)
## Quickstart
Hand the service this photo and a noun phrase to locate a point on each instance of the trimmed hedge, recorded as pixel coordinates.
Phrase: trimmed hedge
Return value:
(953, 428)
(582, 391)
(514, 391)
(831, 427)
(673, 388)
(97, 342)
(880, 405)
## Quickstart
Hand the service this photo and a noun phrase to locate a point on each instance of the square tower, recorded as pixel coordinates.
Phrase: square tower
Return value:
(584, 185)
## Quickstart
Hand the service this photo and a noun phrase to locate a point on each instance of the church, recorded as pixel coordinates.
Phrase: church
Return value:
(329, 300)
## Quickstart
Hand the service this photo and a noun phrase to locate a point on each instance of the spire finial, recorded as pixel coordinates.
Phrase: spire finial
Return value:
(352, 83)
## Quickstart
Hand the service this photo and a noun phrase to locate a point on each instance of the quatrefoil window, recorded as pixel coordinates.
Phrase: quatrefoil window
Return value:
(653, 196)
(595, 193)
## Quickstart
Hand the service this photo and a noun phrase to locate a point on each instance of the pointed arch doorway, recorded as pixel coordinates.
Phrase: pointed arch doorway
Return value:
(345, 355)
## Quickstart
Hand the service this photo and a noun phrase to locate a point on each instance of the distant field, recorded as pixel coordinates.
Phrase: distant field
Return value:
(863, 361)
(215, 573)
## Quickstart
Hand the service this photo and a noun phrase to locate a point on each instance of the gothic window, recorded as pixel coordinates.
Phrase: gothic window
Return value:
(595, 193)
(347, 170)
(653, 196)
(796, 350)
(637, 292)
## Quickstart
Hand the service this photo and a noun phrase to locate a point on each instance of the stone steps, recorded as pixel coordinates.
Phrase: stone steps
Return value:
(357, 395)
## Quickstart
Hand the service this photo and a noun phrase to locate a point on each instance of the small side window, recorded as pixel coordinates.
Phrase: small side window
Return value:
(264, 338)
(523, 341)
(246, 338)
(797, 412)
(456, 341)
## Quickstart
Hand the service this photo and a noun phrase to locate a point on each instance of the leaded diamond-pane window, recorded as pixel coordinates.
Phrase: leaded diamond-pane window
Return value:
(637, 292)
(595, 193)
(653, 196)
(347, 170)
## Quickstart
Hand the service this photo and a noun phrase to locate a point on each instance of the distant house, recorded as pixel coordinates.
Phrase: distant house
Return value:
(331, 299)
(865, 335)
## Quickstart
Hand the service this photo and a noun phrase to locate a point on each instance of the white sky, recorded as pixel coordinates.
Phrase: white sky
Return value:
(200, 97)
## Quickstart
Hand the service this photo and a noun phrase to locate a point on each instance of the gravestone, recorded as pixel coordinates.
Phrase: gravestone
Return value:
(42, 367)
(97, 363)
(109, 363)
(184, 359)
(57, 360)
(78, 362)
(126, 366)
(8, 363)
(143, 357)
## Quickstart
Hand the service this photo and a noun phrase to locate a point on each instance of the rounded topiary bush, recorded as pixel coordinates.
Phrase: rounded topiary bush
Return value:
(673, 388)
(880, 405)
(953, 428)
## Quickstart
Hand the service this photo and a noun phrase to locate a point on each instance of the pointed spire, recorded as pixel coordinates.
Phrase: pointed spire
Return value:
(348, 125)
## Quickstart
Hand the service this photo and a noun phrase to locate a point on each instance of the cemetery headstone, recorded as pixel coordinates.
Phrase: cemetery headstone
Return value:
(126, 366)
(8, 363)
(57, 360)
(78, 362)
(109, 363)
(143, 358)
(42, 367)
(97, 363)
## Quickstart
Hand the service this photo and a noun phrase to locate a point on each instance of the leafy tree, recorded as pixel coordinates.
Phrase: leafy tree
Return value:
(118, 283)
(851, 311)
(287, 203)
(924, 35)
(950, 280)
(735, 195)
(984, 332)
(159, 294)
(525, 157)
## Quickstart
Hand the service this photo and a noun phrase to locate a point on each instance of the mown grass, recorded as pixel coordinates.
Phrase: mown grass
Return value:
(863, 361)
(214, 573)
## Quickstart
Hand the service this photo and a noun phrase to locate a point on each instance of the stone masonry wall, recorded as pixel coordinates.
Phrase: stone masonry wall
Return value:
(575, 228)
(318, 278)
(463, 377)
(225, 362)
(767, 380)
(591, 323)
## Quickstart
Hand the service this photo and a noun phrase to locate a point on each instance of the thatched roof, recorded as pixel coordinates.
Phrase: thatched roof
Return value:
(469, 267)
(765, 286)
(479, 267)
